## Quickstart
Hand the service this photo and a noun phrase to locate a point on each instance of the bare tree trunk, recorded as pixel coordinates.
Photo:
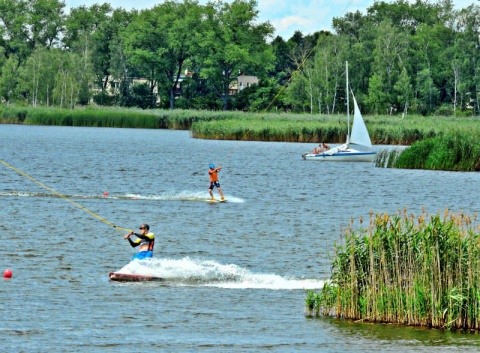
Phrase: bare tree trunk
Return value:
(172, 97)
(226, 88)
(456, 72)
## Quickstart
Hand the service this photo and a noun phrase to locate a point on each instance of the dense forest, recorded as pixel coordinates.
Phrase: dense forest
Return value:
(419, 57)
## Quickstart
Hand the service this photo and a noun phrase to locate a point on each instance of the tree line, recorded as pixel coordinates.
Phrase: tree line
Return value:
(404, 57)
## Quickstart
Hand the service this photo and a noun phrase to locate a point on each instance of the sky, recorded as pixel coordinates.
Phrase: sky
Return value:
(286, 16)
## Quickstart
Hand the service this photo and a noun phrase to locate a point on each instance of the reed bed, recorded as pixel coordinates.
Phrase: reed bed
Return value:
(236, 125)
(124, 118)
(454, 151)
(404, 269)
(387, 157)
(10, 115)
(270, 130)
(331, 128)
(109, 117)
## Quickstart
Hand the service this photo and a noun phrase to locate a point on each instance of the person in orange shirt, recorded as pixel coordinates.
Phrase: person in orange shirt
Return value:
(213, 172)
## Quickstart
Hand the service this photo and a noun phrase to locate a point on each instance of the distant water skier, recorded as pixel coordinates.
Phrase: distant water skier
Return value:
(213, 172)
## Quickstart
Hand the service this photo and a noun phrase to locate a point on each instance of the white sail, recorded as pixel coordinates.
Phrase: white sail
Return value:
(359, 135)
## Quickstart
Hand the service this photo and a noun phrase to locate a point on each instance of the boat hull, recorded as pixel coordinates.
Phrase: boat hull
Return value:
(358, 137)
(341, 156)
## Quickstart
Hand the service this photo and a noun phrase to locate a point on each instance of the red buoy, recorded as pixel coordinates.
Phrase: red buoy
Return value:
(105, 194)
(7, 273)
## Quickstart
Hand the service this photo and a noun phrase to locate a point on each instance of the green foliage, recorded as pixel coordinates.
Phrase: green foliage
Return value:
(140, 96)
(104, 99)
(91, 117)
(444, 110)
(270, 127)
(258, 98)
(403, 57)
(111, 117)
(405, 269)
(10, 115)
(234, 43)
(8, 80)
(451, 145)
(455, 150)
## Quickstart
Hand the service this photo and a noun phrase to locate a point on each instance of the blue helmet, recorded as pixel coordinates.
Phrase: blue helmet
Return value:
(212, 166)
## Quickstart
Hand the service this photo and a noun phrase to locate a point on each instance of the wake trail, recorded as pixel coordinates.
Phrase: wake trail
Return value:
(209, 273)
(192, 196)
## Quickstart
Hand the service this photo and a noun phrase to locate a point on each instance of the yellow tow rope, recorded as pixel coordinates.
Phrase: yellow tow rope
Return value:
(65, 198)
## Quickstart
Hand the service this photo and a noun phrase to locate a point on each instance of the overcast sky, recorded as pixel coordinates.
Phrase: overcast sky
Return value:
(286, 16)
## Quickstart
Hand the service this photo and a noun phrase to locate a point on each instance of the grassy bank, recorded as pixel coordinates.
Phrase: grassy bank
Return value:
(441, 143)
(454, 151)
(246, 126)
(404, 269)
(388, 130)
(308, 128)
(110, 117)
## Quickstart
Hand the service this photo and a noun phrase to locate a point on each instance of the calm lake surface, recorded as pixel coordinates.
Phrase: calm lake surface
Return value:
(236, 273)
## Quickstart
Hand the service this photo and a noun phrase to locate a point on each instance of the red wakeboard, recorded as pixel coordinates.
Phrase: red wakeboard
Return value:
(127, 277)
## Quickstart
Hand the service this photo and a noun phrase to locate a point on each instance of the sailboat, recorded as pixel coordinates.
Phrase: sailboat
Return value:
(359, 137)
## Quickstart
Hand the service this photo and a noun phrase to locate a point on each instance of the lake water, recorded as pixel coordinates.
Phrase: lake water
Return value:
(236, 273)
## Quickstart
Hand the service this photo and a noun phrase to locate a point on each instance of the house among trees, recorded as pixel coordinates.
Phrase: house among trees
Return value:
(243, 81)
(112, 87)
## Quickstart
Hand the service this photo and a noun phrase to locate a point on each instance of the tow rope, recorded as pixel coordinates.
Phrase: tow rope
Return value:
(120, 229)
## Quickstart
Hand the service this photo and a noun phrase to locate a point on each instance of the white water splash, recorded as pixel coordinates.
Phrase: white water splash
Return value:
(209, 273)
(196, 196)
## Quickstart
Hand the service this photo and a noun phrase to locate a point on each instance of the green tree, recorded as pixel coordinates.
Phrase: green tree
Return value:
(46, 20)
(109, 61)
(234, 44)
(259, 98)
(296, 98)
(144, 46)
(350, 24)
(160, 41)
(283, 65)
(14, 29)
(81, 28)
(404, 90)
(181, 25)
(8, 79)
(36, 76)
(68, 80)
(24, 25)
(329, 61)
(376, 96)
(406, 15)
(427, 92)
(391, 48)
(427, 47)
(469, 36)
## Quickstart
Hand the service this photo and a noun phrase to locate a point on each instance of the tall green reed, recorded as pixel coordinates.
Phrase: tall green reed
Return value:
(454, 150)
(404, 269)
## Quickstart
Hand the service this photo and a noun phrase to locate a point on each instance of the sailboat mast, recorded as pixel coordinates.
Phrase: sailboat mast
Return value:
(348, 103)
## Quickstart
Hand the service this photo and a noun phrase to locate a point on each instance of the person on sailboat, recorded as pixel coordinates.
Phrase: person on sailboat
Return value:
(321, 148)
(145, 240)
(213, 173)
